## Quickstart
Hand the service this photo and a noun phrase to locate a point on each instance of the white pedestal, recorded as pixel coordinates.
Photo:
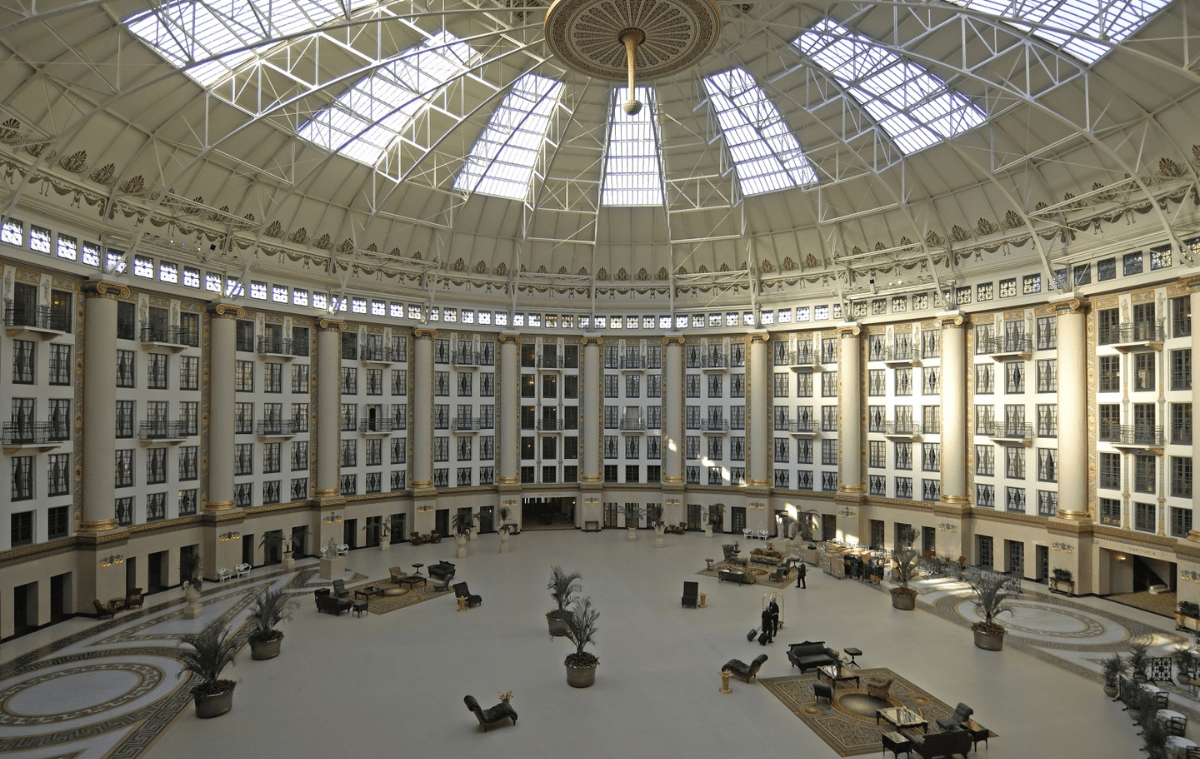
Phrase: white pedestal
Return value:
(385, 544)
(333, 569)
(288, 562)
(658, 541)
(632, 533)
(708, 530)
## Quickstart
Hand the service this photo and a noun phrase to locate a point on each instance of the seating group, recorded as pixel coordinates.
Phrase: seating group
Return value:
(331, 604)
(489, 718)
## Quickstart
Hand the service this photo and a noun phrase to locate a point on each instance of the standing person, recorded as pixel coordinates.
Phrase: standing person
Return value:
(768, 634)
(801, 572)
(774, 609)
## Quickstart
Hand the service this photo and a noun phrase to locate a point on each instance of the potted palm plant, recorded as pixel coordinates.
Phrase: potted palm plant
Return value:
(907, 562)
(654, 516)
(581, 665)
(271, 608)
(633, 516)
(211, 651)
(461, 526)
(190, 567)
(1113, 667)
(505, 528)
(1186, 662)
(989, 601)
(562, 586)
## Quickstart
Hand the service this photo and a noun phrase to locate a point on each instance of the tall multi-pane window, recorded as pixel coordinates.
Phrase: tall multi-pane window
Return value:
(1144, 517)
(1110, 471)
(1108, 374)
(189, 373)
(876, 454)
(1181, 476)
(188, 462)
(243, 376)
(125, 368)
(1047, 464)
(60, 364)
(124, 468)
(22, 478)
(124, 419)
(1181, 522)
(902, 455)
(273, 378)
(985, 379)
(156, 371)
(58, 475)
(985, 460)
(243, 458)
(300, 376)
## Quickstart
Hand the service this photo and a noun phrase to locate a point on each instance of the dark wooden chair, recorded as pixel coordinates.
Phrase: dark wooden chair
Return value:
(105, 610)
(435, 537)
(489, 718)
(134, 599)
(691, 594)
(461, 591)
(415, 538)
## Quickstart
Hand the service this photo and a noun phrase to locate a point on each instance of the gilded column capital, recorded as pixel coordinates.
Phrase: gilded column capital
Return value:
(1071, 306)
(226, 311)
(331, 325)
(509, 338)
(670, 340)
(847, 330)
(107, 290)
(946, 322)
(425, 333)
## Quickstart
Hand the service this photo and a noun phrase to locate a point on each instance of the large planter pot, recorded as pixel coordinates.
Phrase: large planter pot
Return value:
(1110, 690)
(989, 640)
(581, 677)
(558, 626)
(504, 542)
(461, 540)
(266, 649)
(192, 608)
(904, 601)
(708, 530)
(210, 705)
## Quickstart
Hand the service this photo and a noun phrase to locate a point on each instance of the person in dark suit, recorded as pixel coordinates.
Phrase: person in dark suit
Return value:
(774, 609)
(801, 572)
(768, 633)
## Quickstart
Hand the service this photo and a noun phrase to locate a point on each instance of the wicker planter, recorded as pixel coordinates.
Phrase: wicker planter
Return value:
(581, 677)
(210, 705)
(266, 649)
(989, 640)
(905, 601)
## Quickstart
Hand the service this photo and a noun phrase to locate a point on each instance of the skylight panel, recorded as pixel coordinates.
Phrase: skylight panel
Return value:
(186, 30)
(632, 167)
(913, 106)
(765, 153)
(501, 162)
(1073, 25)
(362, 122)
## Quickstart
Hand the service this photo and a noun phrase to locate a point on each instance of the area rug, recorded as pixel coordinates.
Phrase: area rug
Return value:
(761, 576)
(408, 596)
(848, 726)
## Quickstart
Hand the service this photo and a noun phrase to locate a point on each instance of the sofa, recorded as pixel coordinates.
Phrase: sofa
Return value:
(331, 604)
(949, 743)
(743, 671)
(737, 575)
(810, 655)
(442, 570)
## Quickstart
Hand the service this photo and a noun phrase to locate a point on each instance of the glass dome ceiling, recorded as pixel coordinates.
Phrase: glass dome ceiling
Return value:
(424, 148)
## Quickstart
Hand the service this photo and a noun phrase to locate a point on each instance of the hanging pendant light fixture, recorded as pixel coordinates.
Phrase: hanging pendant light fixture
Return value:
(621, 40)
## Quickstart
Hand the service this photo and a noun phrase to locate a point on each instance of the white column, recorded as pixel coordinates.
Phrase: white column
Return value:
(954, 411)
(508, 438)
(422, 402)
(1072, 412)
(100, 405)
(221, 363)
(592, 423)
(328, 434)
(760, 451)
(672, 410)
(850, 447)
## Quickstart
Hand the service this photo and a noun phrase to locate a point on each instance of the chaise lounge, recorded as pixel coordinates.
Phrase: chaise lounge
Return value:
(461, 591)
(489, 718)
(932, 745)
(743, 671)
(810, 655)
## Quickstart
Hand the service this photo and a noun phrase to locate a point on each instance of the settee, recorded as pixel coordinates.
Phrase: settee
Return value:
(442, 570)
(736, 575)
(331, 604)
(743, 671)
(810, 655)
(949, 743)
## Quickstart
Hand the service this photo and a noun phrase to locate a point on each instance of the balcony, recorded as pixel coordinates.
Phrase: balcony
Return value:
(276, 346)
(901, 356)
(632, 363)
(804, 428)
(1010, 346)
(549, 425)
(163, 431)
(902, 430)
(714, 362)
(45, 322)
(377, 426)
(168, 336)
(42, 436)
(1133, 337)
(466, 359)
(805, 360)
(1010, 433)
(278, 428)
(1135, 437)
(633, 425)
(714, 426)
(377, 354)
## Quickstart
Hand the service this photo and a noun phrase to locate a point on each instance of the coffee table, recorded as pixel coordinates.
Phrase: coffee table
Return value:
(367, 592)
(834, 675)
(412, 580)
(901, 717)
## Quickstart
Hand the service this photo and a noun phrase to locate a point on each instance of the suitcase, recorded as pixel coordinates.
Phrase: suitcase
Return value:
(750, 635)
(762, 639)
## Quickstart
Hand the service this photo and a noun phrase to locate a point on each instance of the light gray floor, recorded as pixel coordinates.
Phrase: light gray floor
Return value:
(394, 684)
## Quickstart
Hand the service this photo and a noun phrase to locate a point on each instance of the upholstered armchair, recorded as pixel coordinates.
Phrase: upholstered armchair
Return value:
(489, 718)
(743, 671)
(339, 589)
(878, 686)
(962, 713)
(415, 538)
(105, 610)
(691, 593)
(398, 574)
(133, 599)
(435, 537)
